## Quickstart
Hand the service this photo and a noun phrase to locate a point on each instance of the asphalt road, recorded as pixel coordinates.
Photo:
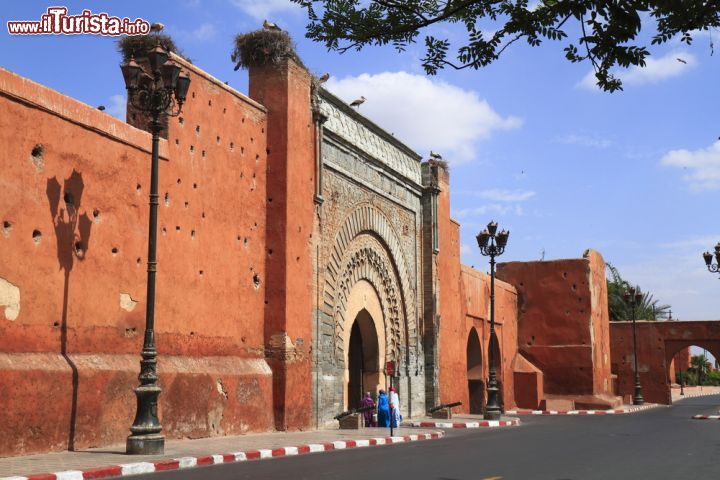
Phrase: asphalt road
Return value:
(661, 443)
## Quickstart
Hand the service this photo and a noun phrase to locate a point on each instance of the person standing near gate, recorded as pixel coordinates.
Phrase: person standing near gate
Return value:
(396, 418)
(367, 401)
(383, 408)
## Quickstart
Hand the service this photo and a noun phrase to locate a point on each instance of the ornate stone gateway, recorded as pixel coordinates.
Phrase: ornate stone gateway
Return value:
(370, 222)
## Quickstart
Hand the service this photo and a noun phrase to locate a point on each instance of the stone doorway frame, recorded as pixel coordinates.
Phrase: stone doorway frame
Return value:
(364, 300)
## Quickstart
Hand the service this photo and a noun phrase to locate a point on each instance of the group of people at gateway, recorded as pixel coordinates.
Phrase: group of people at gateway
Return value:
(385, 413)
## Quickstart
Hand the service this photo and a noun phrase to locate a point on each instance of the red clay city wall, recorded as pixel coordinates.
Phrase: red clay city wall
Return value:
(285, 91)
(657, 344)
(476, 291)
(72, 263)
(562, 326)
(464, 305)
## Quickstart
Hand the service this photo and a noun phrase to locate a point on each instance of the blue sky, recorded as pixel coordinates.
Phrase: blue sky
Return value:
(634, 174)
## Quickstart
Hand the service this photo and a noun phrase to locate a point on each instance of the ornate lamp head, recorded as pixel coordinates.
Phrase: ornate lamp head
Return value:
(170, 72)
(502, 238)
(131, 73)
(157, 56)
(183, 85)
(708, 258)
(483, 238)
(492, 228)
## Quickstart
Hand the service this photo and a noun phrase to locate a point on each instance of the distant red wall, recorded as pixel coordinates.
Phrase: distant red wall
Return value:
(476, 289)
(464, 304)
(657, 344)
(211, 271)
(562, 325)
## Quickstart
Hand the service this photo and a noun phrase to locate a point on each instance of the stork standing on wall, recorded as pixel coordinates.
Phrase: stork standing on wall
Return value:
(435, 156)
(156, 27)
(271, 26)
(358, 102)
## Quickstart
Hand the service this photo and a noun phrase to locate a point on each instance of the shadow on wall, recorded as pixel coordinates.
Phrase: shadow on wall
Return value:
(72, 233)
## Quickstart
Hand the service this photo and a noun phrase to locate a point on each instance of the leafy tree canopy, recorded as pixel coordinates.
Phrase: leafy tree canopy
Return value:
(607, 29)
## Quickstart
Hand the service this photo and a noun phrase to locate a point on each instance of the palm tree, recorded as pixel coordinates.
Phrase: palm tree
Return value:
(616, 287)
(649, 308)
(700, 365)
(620, 309)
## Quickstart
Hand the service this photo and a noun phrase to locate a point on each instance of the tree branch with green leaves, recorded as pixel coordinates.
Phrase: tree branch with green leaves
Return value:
(608, 29)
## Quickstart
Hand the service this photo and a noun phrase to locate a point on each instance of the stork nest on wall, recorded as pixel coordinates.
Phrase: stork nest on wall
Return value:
(263, 47)
(439, 163)
(138, 46)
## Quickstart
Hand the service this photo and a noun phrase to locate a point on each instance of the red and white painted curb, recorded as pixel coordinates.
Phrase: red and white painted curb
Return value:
(482, 424)
(693, 394)
(706, 417)
(189, 462)
(616, 411)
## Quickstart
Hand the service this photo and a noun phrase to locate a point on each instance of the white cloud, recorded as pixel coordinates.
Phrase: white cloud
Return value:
(426, 114)
(496, 208)
(203, 32)
(584, 140)
(703, 166)
(117, 107)
(265, 9)
(206, 31)
(500, 195)
(654, 71)
(466, 249)
(702, 242)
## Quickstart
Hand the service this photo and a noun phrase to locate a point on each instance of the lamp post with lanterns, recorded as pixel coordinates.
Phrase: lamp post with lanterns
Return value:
(158, 93)
(492, 244)
(713, 267)
(634, 297)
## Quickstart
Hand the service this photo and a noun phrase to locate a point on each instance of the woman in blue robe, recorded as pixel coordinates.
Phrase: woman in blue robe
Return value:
(383, 407)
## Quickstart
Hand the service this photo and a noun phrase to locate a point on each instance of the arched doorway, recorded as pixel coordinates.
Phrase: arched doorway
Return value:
(476, 386)
(692, 363)
(363, 359)
(364, 344)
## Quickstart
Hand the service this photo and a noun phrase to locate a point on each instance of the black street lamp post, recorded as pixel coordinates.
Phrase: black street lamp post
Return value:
(713, 267)
(682, 383)
(159, 93)
(634, 297)
(492, 245)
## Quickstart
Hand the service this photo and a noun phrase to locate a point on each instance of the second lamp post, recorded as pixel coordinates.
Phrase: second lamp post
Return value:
(492, 244)
(634, 297)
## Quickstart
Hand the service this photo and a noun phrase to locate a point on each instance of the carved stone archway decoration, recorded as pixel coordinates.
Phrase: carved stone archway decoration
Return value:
(367, 248)
(367, 261)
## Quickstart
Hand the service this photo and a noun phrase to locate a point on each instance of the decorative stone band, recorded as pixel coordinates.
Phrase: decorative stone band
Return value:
(482, 424)
(364, 135)
(189, 462)
(617, 411)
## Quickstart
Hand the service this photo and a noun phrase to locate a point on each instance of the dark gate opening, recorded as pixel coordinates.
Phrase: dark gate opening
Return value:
(476, 386)
(355, 367)
(363, 361)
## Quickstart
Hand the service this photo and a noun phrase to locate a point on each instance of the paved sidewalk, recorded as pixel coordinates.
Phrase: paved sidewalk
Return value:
(462, 421)
(691, 392)
(616, 411)
(112, 461)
